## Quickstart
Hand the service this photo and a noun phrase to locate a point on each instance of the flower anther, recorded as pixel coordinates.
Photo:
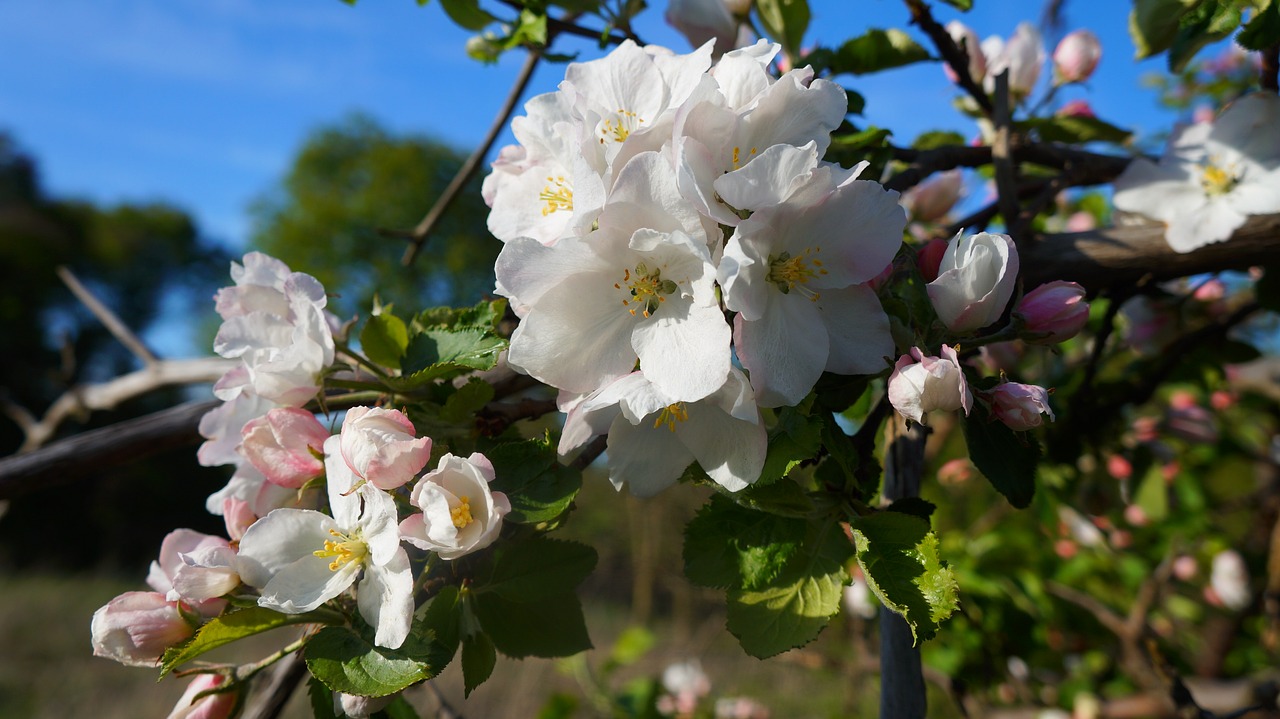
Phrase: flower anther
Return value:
(787, 272)
(618, 129)
(348, 548)
(1217, 180)
(557, 195)
(737, 156)
(461, 514)
(646, 289)
(670, 415)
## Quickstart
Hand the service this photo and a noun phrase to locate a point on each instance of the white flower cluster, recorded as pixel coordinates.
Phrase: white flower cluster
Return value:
(653, 193)
(275, 322)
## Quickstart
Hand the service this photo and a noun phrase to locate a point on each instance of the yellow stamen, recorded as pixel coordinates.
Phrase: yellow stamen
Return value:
(1217, 180)
(557, 194)
(348, 549)
(645, 289)
(790, 273)
(462, 513)
(671, 414)
(737, 156)
(620, 128)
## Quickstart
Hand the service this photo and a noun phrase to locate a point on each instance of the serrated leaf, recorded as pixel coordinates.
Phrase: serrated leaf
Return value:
(785, 499)
(473, 349)
(796, 437)
(537, 485)
(729, 546)
(483, 315)
(798, 604)
(1006, 459)
(463, 404)
(384, 339)
(886, 545)
(234, 626)
(348, 662)
(549, 627)
(878, 50)
(321, 699)
(467, 14)
(785, 21)
(538, 568)
(1075, 130)
(938, 583)
(478, 659)
(1263, 30)
(443, 619)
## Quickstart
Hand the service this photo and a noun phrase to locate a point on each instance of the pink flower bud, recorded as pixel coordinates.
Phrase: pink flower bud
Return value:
(1185, 567)
(1081, 222)
(956, 472)
(1136, 516)
(921, 384)
(165, 569)
(965, 38)
(238, 515)
(380, 446)
(1056, 308)
(1222, 400)
(931, 200)
(1077, 56)
(136, 627)
(286, 445)
(212, 706)
(930, 257)
(1119, 467)
(1019, 406)
(703, 20)
(1076, 108)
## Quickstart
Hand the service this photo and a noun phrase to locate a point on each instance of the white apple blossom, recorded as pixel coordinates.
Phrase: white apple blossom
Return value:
(1023, 56)
(795, 272)
(920, 384)
(1229, 579)
(459, 514)
(301, 558)
(1212, 176)
(653, 437)
(976, 278)
(639, 287)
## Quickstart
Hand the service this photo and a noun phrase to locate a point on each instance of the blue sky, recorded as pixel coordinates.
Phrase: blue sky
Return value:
(204, 102)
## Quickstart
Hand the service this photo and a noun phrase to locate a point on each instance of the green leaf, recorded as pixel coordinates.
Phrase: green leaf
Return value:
(473, 349)
(729, 546)
(348, 662)
(231, 627)
(937, 138)
(785, 21)
(463, 404)
(467, 14)
(1263, 30)
(478, 659)
(1153, 495)
(549, 627)
(1203, 25)
(1153, 24)
(961, 5)
(559, 706)
(631, 645)
(786, 499)
(384, 339)
(538, 568)
(893, 566)
(483, 315)
(796, 437)
(443, 619)
(938, 583)
(399, 708)
(537, 485)
(321, 699)
(1006, 459)
(878, 50)
(795, 607)
(1075, 130)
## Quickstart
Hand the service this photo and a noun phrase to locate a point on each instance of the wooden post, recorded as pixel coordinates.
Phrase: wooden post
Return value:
(902, 692)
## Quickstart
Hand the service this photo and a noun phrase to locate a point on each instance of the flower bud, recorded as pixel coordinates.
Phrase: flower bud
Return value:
(136, 628)
(163, 574)
(1076, 56)
(1023, 56)
(1229, 579)
(931, 200)
(1075, 108)
(238, 516)
(929, 258)
(379, 446)
(1019, 406)
(286, 445)
(703, 20)
(921, 384)
(975, 281)
(1056, 308)
(966, 39)
(358, 707)
(459, 513)
(211, 706)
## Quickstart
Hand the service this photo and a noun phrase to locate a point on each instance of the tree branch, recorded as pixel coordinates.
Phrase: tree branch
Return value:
(1085, 168)
(954, 55)
(108, 318)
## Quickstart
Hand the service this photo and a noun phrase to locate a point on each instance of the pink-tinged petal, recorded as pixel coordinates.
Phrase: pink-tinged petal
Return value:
(211, 706)
(785, 351)
(858, 330)
(136, 628)
(380, 446)
(175, 544)
(385, 600)
(645, 458)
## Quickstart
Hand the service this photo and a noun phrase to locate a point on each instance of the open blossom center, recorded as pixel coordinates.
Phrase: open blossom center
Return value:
(620, 126)
(788, 273)
(646, 289)
(738, 159)
(347, 549)
(461, 514)
(1217, 180)
(671, 414)
(557, 195)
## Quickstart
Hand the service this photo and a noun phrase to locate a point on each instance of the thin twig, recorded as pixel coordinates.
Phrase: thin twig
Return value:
(285, 678)
(567, 26)
(108, 318)
(955, 56)
(1085, 168)
(589, 455)
(418, 237)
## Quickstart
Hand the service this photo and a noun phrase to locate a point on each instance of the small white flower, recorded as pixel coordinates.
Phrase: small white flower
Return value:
(459, 513)
(1212, 176)
(1023, 56)
(920, 384)
(975, 280)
